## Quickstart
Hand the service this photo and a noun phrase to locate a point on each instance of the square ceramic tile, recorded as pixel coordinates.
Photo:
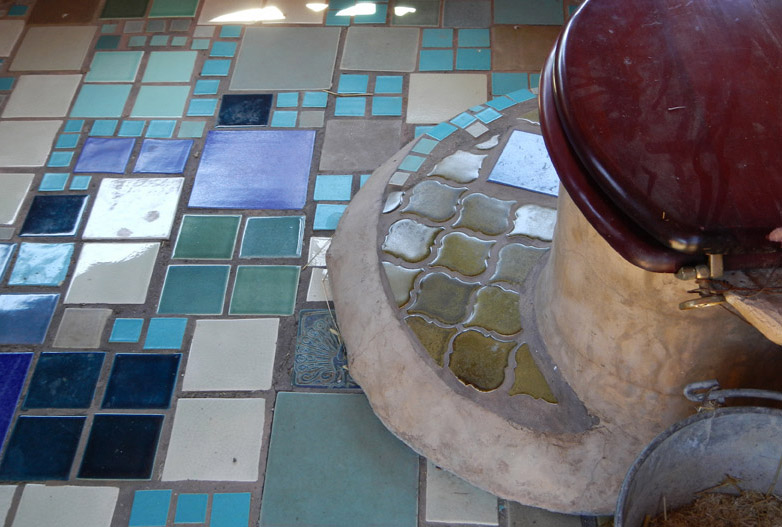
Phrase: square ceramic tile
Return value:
(6, 83)
(181, 25)
(42, 96)
(358, 144)
(74, 125)
(273, 237)
(274, 49)
(64, 380)
(437, 38)
(171, 8)
(327, 216)
(169, 66)
(301, 490)
(81, 328)
(202, 107)
(231, 31)
(205, 31)
(25, 318)
(427, 13)
(141, 381)
(131, 128)
(108, 42)
(216, 67)
(137, 41)
(191, 508)
(163, 157)
(244, 110)
(206, 87)
(265, 290)
(60, 159)
(68, 140)
(315, 99)
(10, 31)
(191, 129)
(473, 59)
(312, 119)
(316, 256)
(254, 170)
(232, 355)
(436, 97)
(108, 155)
(54, 216)
(131, 26)
(333, 188)
(6, 252)
(284, 119)
(229, 433)
(223, 49)
(14, 367)
(450, 499)
(529, 12)
(160, 101)
(352, 84)
(41, 264)
(150, 508)
(206, 237)
(126, 330)
(101, 100)
(80, 183)
(380, 49)
(504, 83)
(134, 208)
(387, 106)
(112, 273)
(527, 150)
(320, 360)
(435, 60)
(200, 43)
(53, 48)
(41, 448)
(467, 13)
(80, 506)
(350, 106)
(389, 84)
(319, 288)
(194, 290)
(121, 447)
(114, 66)
(103, 127)
(165, 334)
(179, 41)
(522, 48)
(288, 100)
(125, 9)
(13, 190)
(161, 128)
(474, 38)
(26, 143)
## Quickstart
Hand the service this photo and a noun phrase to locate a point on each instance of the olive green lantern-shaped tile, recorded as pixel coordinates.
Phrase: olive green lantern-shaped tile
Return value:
(497, 310)
(401, 281)
(434, 200)
(443, 298)
(464, 254)
(432, 337)
(484, 214)
(515, 262)
(460, 166)
(410, 240)
(528, 378)
(480, 361)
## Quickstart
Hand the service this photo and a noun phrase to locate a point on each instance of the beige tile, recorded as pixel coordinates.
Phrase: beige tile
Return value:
(68, 506)
(450, 499)
(352, 145)
(297, 12)
(215, 8)
(81, 328)
(42, 96)
(381, 49)
(6, 494)
(26, 143)
(54, 48)
(437, 97)
(522, 48)
(13, 189)
(10, 30)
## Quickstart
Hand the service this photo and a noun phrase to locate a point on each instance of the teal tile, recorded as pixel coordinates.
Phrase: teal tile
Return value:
(131, 128)
(52, 182)
(473, 38)
(301, 490)
(216, 68)
(477, 108)
(107, 42)
(441, 131)
(230, 510)
(353, 83)
(191, 508)
(473, 59)
(386, 106)
(60, 159)
(500, 103)
(67, 141)
(150, 508)
(161, 129)
(505, 83)
(156, 26)
(194, 290)
(463, 120)
(206, 87)
(273, 237)
(333, 20)
(190, 129)
(327, 216)
(315, 99)
(534, 81)
(363, 179)
(101, 100)
(388, 84)
(488, 115)
(114, 66)
(41, 264)
(423, 129)
(173, 8)
(412, 163)
(378, 17)
(202, 107)
(126, 330)
(529, 12)
(137, 41)
(350, 106)
(73, 125)
(6, 83)
(435, 60)
(80, 183)
(170, 66)
(108, 28)
(159, 40)
(165, 333)
(265, 290)
(288, 100)
(104, 127)
(207, 237)
(17, 10)
(160, 101)
(223, 49)
(200, 43)
(284, 118)
(231, 32)
(424, 146)
(437, 38)
(179, 41)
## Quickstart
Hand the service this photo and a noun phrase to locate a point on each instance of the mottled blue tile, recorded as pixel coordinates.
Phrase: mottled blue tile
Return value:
(104, 127)
(387, 106)
(64, 380)
(319, 360)
(273, 237)
(245, 110)
(422, 129)
(6, 251)
(388, 84)
(121, 447)
(504, 83)
(435, 60)
(206, 87)
(53, 182)
(126, 330)
(54, 216)
(104, 155)
(25, 318)
(327, 216)
(437, 38)
(191, 508)
(254, 170)
(141, 381)
(14, 367)
(230, 510)
(150, 508)
(349, 83)
(80, 183)
(473, 59)
(315, 99)
(288, 100)
(350, 106)
(284, 119)
(333, 188)
(165, 333)
(43, 264)
(160, 156)
(201, 107)
(161, 128)
(131, 128)
(41, 448)
(223, 49)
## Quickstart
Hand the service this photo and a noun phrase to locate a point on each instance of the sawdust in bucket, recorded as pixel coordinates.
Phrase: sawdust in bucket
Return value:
(715, 509)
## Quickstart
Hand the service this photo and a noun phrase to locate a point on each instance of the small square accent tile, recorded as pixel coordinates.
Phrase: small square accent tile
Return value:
(132, 26)
(476, 129)
(473, 59)
(194, 290)
(412, 163)
(137, 41)
(284, 119)
(380, 49)
(388, 84)
(424, 146)
(450, 499)
(160, 101)
(464, 119)
(107, 42)
(179, 41)
(165, 333)
(156, 26)
(316, 256)
(169, 66)
(101, 100)
(53, 182)
(191, 129)
(206, 237)
(474, 38)
(273, 237)
(350, 106)
(441, 131)
(435, 60)
(353, 83)
(6, 83)
(223, 49)
(76, 506)
(159, 40)
(200, 43)
(191, 508)
(315, 99)
(121, 447)
(105, 127)
(150, 508)
(206, 87)
(287, 100)
(159, 156)
(80, 183)
(161, 128)
(467, 13)
(54, 216)
(81, 328)
(230, 509)
(73, 125)
(204, 31)
(25, 318)
(231, 32)
(327, 216)
(131, 128)
(106, 155)
(312, 119)
(126, 330)
(320, 360)
(265, 290)
(60, 159)
(505, 83)
(42, 264)
(437, 38)
(333, 188)
(180, 25)
(202, 107)
(64, 380)
(41, 448)
(500, 103)
(245, 110)
(141, 381)
(391, 106)
(216, 67)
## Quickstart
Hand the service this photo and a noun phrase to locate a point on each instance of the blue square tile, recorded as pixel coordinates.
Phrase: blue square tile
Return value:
(320, 360)
(245, 110)
(488, 115)
(363, 179)
(422, 129)
(327, 216)
(216, 67)
(333, 188)
(500, 103)
(353, 83)
(191, 508)
(101, 100)
(437, 38)
(121, 447)
(104, 127)
(412, 163)
(54, 216)
(6, 251)
(159, 40)
(105, 155)
(43, 264)
(80, 183)
(424, 146)
(202, 107)
(284, 118)
(504, 83)
(52, 182)
(41, 448)
(315, 99)
(388, 84)
(131, 128)
(6, 83)
(160, 156)
(223, 49)
(165, 333)
(60, 159)
(126, 330)
(521, 95)
(73, 125)
(206, 87)
(473, 59)
(231, 32)
(161, 128)
(386, 106)
(529, 12)
(350, 106)
(64, 380)
(67, 141)
(141, 381)
(230, 510)
(288, 100)
(14, 367)
(436, 60)
(474, 38)
(441, 131)
(191, 129)
(254, 169)
(150, 508)
(25, 318)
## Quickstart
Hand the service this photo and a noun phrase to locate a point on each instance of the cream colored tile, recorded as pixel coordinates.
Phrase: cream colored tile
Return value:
(317, 253)
(44, 506)
(10, 31)
(450, 499)
(319, 289)
(53, 48)
(42, 96)
(6, 491)
(13, 189)
(26, 143)
(437, 97)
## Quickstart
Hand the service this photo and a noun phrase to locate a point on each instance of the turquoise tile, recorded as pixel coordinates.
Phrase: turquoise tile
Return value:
(500, 103)
(101, 100)
(288, 100)
(529, 12)
(350, 106)
(126, 330)
(202, 107)
(412, 163)
(17, 10)
(206, 87)
(534, 80)
(170, 66)
(67, 141)
(131, 128)
(327, 216)
(179, 41)
(53, 182)
(441, 131)
(6, 83)
(435, 60)
(473, 59)
(191, 508)
(80, 183)
(437, 38)
(133, 26)
(200, 43)
(488, 115)
(505, 83)
(107, 42)
(150, 508)
(108, 28)
(424, 146)
(161, 129)
(265, 290)
(230, 510)
(60, 159)
(156, 26)
(388, 84)
(284, 118)
(474, 38)
(216, 68)
(386, 106)
(73, 125)
(159, 40)
(194, 290)
(223, 49)
(363, 179)
(137, 41)
(301, 490)
(273, 237)
(160, 101)
(41, 264)
(423, 129)
(165, 334)
(231, 32)
(104, 127)
(114, 66)
(6, 252)
(333, 188)
(477, 108)
(333, 20)
(315, 99)
(190, 129)
(353, 83)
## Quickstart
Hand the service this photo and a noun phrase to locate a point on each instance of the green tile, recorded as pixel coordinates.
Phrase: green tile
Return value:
(170, 66)
(179, 41)
(194, 290)
(170, 8)
(273, 237)
(114, 66)
(160, 101)
(265, 290)
(200, 43)
(107, 42)
(159, 40)
(101, 100)
(124, 9)
(137, 41)
(190, 129)
(207, 237)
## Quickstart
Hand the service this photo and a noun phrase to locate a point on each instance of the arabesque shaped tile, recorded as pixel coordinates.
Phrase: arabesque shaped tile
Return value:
(410, 240)
(484, 214)
(461, 166)
(536, 222)
(401, 280)
(515, 262)
(525, 163)
(444, 298)
(320, 360)
(434, 200)
(433, 338)
(41, 264)
(464, 254)
(496, 309)
(480, 361)
(529, 380)
(393, 201)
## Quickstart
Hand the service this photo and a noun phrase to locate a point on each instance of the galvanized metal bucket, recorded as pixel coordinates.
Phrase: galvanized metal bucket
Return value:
(698, 453)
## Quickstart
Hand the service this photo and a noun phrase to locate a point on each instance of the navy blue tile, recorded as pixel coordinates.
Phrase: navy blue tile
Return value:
(64, 380)
(160, 156)
(245, 110)
(54, 216)
(41, 447)
(14, 370)
(24, 319)
(121, 447)
(141, 381)
(107, 155)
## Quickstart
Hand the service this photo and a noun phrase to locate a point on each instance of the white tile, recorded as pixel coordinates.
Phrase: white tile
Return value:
(232, 355)
(535, 221)
(42, 96)
(68, 506)
(26, 143)
(317, 253)
(112, 273)
(319, 289)
(450, 499)
(297, 12)
(215, 440)
(53, 48)
(13, 190)
(6, 493)
(437, 97)
(130, 208)
(204, 31)
(10, 30)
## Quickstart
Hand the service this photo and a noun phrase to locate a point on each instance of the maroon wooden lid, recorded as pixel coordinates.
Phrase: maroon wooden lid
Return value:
(674, 108)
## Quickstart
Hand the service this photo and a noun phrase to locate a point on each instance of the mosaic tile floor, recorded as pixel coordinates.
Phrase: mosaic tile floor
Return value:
(168, 186)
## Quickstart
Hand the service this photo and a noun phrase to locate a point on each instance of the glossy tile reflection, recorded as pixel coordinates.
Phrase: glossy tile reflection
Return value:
(443, 298)
(480, 361)
(434, 200)
(410, 240)
(464, 254)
